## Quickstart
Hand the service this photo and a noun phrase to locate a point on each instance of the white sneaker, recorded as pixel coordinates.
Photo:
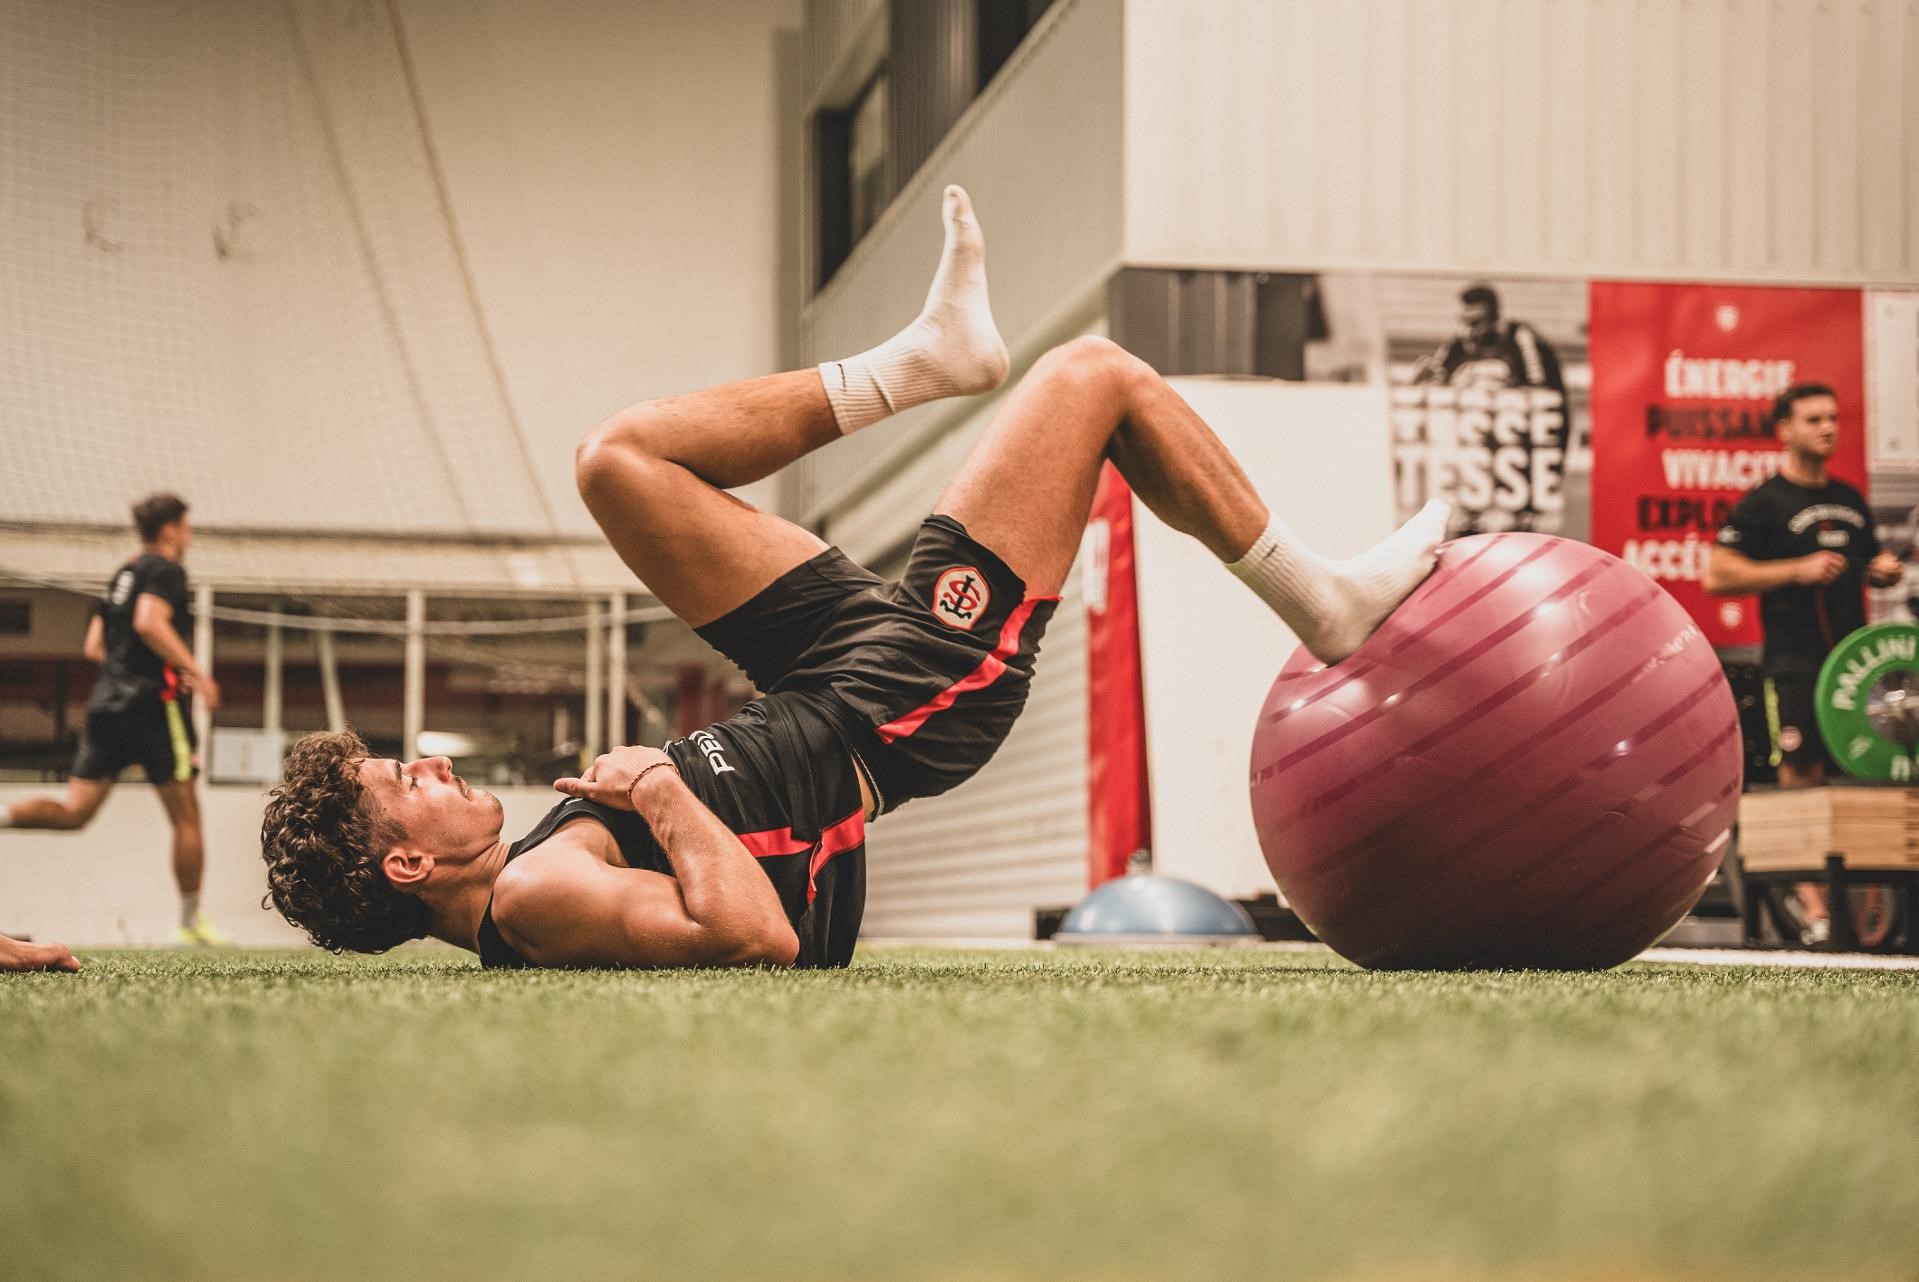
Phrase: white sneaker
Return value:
(1816, 932)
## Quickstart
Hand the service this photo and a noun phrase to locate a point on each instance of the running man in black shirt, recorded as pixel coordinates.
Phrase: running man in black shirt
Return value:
(1805, 542)
(140, 712)
(744, 843)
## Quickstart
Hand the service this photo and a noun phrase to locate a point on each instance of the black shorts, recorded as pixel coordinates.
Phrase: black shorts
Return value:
(156, 735)
(1790, 717)
(930, 672)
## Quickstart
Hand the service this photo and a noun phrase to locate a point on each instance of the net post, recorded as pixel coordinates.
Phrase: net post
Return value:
(203, 659)
(272, 697)
(616, 670)
(593, 743)
(329, 679)
(413, 716)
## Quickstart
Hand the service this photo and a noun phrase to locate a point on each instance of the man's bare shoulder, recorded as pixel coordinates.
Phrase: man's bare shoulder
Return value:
(576, 851)
(571, 901)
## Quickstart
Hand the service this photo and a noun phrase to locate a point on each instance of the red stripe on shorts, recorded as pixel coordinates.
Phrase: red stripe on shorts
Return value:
(840, 838)
(979, 678)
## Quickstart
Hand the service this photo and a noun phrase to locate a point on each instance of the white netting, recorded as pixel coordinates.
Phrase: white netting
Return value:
(227, 267)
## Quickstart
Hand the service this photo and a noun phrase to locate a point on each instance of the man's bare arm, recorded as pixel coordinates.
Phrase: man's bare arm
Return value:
(573, 909)
(153, 622)
(1885, 570)
(18, 955)
(1730, 573)
(95, 646)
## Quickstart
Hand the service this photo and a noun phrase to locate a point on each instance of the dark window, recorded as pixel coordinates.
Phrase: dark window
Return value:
(16, 617)
(1002, 25)
(853, 182)
(1215, 322)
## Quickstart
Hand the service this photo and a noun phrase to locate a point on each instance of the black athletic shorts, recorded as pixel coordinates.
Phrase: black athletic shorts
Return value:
(931, 671)
(1790, 717)
(154, 734)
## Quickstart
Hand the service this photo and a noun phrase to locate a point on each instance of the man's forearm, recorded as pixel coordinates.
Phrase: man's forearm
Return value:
(720, 880)
(165, 642)
(1734, 575)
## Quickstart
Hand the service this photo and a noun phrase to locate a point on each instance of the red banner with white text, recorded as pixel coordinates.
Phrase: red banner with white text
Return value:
(1683, 382)
(1119, 816)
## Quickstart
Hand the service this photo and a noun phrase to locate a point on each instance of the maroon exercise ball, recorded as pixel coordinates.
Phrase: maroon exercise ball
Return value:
(1535, 762)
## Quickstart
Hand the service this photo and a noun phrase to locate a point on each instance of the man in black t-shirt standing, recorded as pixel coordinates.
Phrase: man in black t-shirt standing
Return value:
(139, 713)
(1805, 543)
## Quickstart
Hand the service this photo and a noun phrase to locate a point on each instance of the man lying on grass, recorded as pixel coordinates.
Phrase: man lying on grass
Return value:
(744, 843)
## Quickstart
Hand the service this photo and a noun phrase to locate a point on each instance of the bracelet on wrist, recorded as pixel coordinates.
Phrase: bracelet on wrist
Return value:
(643, 774)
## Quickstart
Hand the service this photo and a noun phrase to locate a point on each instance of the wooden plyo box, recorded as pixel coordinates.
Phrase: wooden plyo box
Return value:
(1796, 828)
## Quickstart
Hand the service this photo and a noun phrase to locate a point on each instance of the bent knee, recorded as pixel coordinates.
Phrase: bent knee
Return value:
(1091, 358)
(615, 452)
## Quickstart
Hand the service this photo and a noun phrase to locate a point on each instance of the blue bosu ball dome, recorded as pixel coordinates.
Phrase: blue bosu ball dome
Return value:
(1153, 907)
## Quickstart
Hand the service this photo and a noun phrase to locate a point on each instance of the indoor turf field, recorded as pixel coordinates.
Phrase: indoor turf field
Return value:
(1070, 1114)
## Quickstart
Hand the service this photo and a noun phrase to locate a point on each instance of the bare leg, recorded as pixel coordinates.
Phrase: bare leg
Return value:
(652, 475)
(1027, 487)
(76, 812)
(1812, 895)
(1808, 776)
(182, 803)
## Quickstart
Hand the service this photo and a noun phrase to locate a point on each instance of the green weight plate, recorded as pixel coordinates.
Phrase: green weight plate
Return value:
(1867, 701)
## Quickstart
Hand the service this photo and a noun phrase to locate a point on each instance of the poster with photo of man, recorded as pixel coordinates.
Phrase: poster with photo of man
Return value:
(1488, 381)
(1892, 440)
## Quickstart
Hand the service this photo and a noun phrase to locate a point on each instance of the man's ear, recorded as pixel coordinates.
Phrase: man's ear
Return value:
(406, 868)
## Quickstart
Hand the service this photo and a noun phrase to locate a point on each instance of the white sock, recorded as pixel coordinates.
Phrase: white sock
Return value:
(189, 909)
(6, 817)
(1335, 605)
(952, 348)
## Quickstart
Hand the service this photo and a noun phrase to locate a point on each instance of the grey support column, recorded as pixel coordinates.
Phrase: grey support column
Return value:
(593, 742)
(616, 671)
(329, 679)
(203, 657)
(273, 696)
(413, 716)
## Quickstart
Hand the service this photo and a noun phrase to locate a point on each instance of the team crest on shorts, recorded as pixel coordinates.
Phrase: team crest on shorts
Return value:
(960, 596)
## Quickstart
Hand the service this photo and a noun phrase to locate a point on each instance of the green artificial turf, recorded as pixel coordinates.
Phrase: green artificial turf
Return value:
(955, 1115)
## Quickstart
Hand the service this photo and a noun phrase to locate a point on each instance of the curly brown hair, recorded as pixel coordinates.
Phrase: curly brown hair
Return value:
(323, 839)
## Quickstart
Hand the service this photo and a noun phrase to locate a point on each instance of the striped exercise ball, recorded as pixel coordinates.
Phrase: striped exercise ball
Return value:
(1535, 762)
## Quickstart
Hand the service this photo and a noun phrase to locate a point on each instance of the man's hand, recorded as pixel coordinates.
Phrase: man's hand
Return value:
(204, 688)
(1818, 568)
(609, 780)
(1885, 570)
(15, 955)
(95, 646)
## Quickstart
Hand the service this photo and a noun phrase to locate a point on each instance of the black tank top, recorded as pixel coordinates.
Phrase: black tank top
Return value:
(778, 774)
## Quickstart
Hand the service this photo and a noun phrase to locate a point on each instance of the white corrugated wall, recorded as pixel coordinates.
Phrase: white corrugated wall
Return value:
(1711, 139)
